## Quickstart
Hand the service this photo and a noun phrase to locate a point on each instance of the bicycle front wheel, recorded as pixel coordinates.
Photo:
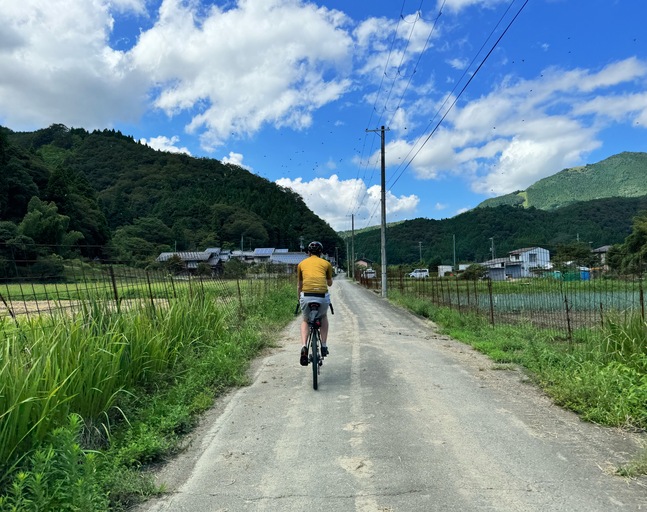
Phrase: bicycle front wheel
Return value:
(314, 347)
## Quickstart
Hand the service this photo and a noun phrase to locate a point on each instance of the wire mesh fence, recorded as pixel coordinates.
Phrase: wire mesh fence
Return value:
(550, 303)
(24, 296)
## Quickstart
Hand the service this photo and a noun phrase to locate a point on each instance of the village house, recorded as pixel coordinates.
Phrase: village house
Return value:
(216, 257)
(519, 263)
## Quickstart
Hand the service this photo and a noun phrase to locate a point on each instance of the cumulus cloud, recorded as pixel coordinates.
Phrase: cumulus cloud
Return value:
(261, 62)
(330, 198)
(459, 5)
(162, 143)
(235, 159)
(525, 130)
(57, 66)
(264, 62)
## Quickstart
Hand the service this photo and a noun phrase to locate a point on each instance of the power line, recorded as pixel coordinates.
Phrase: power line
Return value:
(464, 87)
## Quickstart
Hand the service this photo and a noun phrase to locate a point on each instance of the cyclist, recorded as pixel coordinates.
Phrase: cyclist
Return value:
(314, 276)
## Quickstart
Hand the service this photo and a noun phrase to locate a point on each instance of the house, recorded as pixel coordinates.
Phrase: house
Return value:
(363, 263)
(444, 270)
(215, 257)
(192, 259)
(518, 264)
(496, 268)
(601, 257)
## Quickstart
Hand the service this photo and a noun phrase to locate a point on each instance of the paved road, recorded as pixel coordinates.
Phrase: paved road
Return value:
(404, 420)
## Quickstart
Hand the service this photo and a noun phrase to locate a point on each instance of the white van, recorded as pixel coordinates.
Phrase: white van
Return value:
(369, 273)
(420, 273)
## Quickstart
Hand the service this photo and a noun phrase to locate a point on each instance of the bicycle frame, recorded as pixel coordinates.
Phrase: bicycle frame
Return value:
(313, 342)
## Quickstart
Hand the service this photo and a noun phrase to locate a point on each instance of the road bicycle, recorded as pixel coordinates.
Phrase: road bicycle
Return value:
(313, 342)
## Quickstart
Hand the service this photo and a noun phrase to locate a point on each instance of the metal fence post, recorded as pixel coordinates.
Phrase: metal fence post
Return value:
(150, 291)
(114, 286)
(489, 287)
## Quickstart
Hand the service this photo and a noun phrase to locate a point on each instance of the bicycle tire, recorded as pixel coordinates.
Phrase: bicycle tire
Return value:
(315, 360)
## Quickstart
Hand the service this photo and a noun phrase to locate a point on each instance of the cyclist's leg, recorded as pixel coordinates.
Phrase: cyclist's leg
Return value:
(324, 329)
(303, 356)
(304, 332)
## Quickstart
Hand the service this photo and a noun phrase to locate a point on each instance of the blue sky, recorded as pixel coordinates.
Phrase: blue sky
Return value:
(479, 97)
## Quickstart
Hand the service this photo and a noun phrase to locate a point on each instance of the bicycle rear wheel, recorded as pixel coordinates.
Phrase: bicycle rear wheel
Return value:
(314, 347)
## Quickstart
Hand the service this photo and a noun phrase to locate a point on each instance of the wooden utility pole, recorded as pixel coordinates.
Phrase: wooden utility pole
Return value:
(352, 245)
(383, 200)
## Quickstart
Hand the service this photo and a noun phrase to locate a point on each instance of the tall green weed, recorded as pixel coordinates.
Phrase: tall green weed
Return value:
(156, 367)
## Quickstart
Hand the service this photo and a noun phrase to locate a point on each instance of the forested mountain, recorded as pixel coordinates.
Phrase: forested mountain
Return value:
(594, 223)
(622, 175)
(126, 200)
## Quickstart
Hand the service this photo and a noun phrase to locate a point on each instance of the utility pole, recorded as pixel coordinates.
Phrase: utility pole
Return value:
(348, 271)
(352, 245)
(454, 243)
(492, 247)
(420, 251)
(383, 200)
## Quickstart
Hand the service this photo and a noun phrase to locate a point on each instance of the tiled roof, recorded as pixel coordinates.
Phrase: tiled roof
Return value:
(290, 258)
(185, 256)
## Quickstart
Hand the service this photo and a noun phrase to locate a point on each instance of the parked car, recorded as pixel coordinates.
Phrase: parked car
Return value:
(420, 273)
(369, 273)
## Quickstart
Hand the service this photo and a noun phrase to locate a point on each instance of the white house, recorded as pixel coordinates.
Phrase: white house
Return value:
(519, 263)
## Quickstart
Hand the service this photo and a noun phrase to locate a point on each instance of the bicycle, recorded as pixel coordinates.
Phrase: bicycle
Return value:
(313, 342)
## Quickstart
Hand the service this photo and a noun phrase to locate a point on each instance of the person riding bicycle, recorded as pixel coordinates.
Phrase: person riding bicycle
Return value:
(314, 276)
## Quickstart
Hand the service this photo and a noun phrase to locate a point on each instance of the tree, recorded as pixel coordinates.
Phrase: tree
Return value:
(76, 198)
(44, 225)
(630, 257)
(175, 265)
(234, 269)
(474, 272)
(577, 253)
(203, 269)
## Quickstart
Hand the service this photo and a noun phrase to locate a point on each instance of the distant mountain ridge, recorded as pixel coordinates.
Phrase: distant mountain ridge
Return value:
(621, 175)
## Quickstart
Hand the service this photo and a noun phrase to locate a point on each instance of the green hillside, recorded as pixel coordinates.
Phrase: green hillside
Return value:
(598, 222)
(622, 175)
(123, 198)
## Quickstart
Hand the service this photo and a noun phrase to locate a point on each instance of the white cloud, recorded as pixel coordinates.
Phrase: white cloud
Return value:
(162, 143)
(459, 5)
(136, 6)
(458, 63)
(58, 67)
(262, 62)
(332, 198)
(235, 159)
(526, 130)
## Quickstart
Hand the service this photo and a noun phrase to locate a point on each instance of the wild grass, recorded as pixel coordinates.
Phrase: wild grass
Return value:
(126, 384)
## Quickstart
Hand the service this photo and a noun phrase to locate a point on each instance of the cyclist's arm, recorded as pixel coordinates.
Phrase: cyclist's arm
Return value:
(299, 281)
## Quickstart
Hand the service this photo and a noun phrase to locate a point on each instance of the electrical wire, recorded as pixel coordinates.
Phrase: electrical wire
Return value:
(406, 166)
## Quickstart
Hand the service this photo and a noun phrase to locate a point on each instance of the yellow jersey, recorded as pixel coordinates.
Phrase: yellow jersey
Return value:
(314, 272)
